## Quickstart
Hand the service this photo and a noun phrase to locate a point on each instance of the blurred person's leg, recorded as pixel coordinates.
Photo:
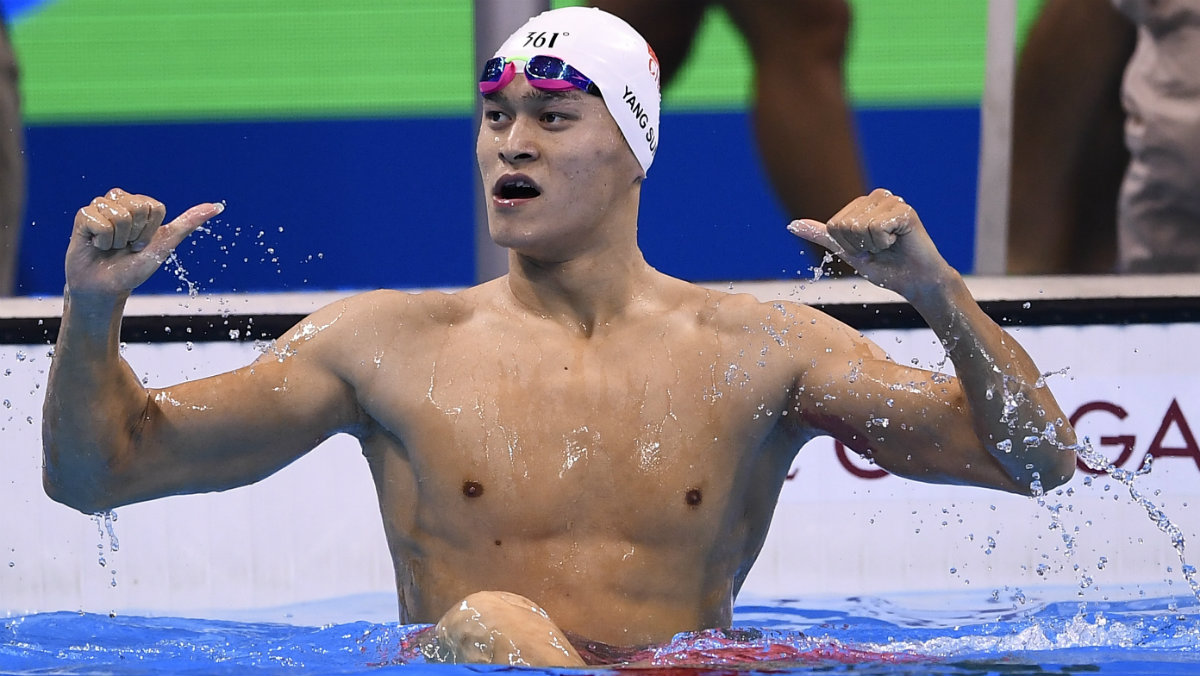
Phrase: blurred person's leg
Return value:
(1068, 142)
(802, 121)
(668, 25)
(12, 167)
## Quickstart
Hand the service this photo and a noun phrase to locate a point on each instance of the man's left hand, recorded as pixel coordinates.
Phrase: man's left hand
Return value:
(883, 238)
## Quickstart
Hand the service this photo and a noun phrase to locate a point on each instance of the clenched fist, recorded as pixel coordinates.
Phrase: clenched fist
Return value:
(119, 240)
(883, 238)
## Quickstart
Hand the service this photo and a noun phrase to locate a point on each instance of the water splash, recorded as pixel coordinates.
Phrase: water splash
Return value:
(104, 526)
(1057, 524)
(1097, 462)
(956, 637)
(818, 271)
(181, 274)
(263, 250)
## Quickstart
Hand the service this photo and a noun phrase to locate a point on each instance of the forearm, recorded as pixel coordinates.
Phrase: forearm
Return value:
(93, 405)
(1014, 415)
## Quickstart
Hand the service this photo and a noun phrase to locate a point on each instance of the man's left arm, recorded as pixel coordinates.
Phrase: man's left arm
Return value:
(998, 390)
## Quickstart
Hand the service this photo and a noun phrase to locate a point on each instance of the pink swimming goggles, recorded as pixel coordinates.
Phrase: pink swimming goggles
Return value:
(548, 73)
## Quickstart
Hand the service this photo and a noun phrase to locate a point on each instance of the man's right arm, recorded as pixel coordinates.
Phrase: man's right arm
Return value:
(108, 441)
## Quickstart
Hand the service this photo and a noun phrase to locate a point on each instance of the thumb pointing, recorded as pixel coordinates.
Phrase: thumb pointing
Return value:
(813, 231)
(170, 235)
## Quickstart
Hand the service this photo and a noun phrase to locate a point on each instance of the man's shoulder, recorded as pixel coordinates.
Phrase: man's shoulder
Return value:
(732, 305)
(345, 329)
(733, 313)
(415, 308)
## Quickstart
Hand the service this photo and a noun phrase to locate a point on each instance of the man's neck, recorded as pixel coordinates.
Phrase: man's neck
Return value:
(584, 293)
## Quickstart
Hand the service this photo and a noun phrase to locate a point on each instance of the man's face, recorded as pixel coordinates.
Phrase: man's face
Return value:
(554, 166)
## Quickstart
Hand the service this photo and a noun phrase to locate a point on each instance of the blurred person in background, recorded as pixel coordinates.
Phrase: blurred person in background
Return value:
(800, 108)
(12, 165)
(1068, 152)
(1106, 140)
(1158, 210)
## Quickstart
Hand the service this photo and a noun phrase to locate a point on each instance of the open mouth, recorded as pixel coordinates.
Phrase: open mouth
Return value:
(516, 187)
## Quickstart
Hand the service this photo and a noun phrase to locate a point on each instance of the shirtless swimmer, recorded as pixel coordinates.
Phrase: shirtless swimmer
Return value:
(574, 447)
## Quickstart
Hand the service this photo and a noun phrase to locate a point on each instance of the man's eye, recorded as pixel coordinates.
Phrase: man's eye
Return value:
(553, 117)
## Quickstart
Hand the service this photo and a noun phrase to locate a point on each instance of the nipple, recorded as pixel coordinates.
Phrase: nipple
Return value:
(693, 497)
(472, 489)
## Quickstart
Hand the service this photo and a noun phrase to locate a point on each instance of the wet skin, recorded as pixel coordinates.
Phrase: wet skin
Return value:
(587, 432)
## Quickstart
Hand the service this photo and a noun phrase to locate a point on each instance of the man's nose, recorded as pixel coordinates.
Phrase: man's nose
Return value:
(517, 145)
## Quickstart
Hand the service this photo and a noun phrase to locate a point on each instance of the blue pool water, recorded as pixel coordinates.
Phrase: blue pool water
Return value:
(1006, 632)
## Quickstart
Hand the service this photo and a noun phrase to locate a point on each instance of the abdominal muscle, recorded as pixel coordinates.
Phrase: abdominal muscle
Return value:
(626, 561)
(644, 599)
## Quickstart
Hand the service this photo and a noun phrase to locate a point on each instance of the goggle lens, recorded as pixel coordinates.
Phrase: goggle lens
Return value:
(543, 72)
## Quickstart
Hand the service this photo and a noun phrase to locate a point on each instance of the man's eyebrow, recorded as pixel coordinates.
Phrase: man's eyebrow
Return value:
(538, 96)
(571, 94)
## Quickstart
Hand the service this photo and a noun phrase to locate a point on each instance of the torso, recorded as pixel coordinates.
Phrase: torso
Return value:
(623, 480)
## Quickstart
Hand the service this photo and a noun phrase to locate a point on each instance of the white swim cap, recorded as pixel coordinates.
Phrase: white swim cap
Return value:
(612, 55)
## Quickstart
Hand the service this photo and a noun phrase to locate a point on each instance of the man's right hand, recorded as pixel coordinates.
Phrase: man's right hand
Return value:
(119, 240)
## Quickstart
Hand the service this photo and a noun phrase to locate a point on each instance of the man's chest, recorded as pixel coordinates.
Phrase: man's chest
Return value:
(526, 434)
(488, 379)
